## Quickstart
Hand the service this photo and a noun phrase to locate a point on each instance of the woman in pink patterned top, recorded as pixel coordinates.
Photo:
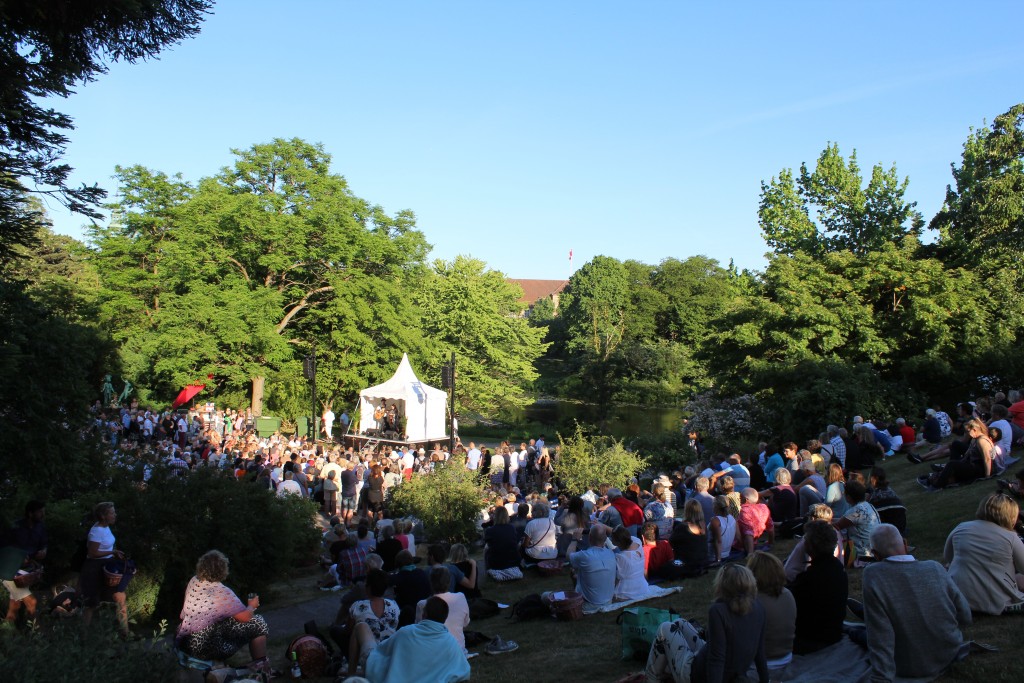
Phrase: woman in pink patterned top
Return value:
(214, 622)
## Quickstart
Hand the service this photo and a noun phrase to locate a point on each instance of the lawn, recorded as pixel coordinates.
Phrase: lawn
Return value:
(566, 651)
(554, 651)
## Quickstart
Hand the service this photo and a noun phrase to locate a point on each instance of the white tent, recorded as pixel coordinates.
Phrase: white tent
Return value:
(422, 405)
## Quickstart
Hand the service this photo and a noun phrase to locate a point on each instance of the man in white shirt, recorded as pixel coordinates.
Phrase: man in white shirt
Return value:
(472, 457)
(513, 469)
(408, 460)
(289, 487)
(328, 423)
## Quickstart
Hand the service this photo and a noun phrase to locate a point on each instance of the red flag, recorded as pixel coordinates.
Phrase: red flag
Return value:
(186, 394)
(570, 254)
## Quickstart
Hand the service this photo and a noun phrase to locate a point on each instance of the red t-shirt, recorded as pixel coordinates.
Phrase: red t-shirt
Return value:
(908, 434)
(656, 555)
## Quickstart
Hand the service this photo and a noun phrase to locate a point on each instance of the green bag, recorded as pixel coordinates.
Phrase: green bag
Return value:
(11, 560)
(639, 627)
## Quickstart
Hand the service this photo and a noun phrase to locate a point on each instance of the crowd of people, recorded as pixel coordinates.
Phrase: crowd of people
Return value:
(722, 514)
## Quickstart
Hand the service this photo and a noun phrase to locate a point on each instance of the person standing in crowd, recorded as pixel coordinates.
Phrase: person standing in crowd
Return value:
(29, 536)
(100, 550)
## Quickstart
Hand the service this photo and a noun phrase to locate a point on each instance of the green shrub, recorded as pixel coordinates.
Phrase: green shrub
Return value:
(586, 461)
(64, 651)
(166, 525)
(447, 501)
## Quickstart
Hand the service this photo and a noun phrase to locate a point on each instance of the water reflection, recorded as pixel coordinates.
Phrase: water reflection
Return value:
(624, 421)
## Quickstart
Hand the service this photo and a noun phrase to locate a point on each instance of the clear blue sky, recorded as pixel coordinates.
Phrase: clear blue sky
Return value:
(517, 131)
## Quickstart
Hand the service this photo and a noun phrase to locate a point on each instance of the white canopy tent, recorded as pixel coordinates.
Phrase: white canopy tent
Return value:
(423, 406)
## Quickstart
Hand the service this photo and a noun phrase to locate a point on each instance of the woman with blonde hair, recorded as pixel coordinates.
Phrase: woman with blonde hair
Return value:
(736, 636)
(986, 558)
(976, 463)
(835, 491)
(214, 622)
(721, 530)
(689, 540)
(779, 607)
(543, 467)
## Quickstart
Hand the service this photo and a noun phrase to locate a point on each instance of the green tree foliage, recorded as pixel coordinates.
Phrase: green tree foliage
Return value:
(474, 311)
(587, 461)
(629, 331)
(46, 50)
(240, 274)
(595, 305)
(447, 501)
(982, 220)
(881, 309)
(52, 368)
(849, 215)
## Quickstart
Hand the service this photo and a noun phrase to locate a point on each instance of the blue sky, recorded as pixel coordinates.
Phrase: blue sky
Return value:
(518, 131)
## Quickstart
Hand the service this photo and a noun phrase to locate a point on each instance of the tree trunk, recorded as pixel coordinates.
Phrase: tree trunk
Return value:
(257, 395)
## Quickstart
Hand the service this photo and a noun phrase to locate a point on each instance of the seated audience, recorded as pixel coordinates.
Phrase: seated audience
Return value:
(422, 652)
(373, 620)
(721, 531)
(214, 622)
(755, 521)
(659, 511)
(860, 520)
(735, 632)
(458, 555)
(594, 568)
(798, 560)
(913, 612)
(540, 537)
(986, 558)
(458, 606)
(781, 498)
(976, 462)
(812, 489)
(689, 540)
(630, 583)
(658, 554)
(701, 495)
(501, 549)
(820, 592)
(411, 585)
(779, 608)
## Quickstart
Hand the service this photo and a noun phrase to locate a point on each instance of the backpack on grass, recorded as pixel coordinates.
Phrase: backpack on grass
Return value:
(530, 607)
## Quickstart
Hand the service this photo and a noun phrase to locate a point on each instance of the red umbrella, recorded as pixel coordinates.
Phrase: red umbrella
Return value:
(187, 394)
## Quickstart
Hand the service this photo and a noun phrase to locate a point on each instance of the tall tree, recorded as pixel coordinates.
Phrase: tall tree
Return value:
(595, 306)
(48, 47)
(981, 222)
(253, 259)
(475, 312)
(850, 216)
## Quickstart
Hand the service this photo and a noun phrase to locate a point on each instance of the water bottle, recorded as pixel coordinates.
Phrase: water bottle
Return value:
(296, 669)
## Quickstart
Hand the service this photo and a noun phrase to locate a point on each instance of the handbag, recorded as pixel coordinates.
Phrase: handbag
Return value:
(639, 627)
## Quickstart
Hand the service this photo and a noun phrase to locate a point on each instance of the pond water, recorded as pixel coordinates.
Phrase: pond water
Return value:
(624, 420)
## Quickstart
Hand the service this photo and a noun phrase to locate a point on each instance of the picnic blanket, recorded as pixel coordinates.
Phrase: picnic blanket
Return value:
(844, 662)
(652, 592)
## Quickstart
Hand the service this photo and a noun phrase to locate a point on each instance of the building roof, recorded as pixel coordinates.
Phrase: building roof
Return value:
(533, 290)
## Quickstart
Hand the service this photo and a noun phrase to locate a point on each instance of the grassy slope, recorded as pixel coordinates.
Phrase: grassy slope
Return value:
(559, 651)
(552, 651)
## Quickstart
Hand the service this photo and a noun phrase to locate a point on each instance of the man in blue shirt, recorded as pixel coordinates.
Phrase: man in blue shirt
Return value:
(594, 568)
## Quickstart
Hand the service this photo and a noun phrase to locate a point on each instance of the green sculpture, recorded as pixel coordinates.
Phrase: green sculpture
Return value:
(108, 390)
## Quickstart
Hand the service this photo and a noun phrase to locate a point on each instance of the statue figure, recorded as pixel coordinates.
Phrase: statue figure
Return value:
(127, 391)
(108, 390)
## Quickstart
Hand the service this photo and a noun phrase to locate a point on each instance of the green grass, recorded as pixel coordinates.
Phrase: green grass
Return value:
(566, 651)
